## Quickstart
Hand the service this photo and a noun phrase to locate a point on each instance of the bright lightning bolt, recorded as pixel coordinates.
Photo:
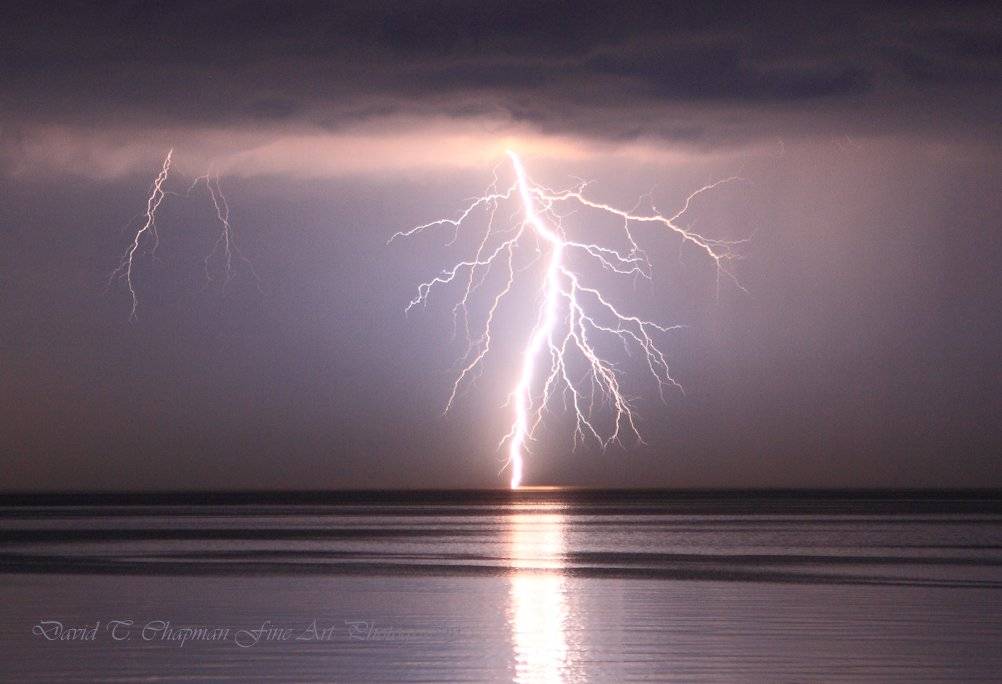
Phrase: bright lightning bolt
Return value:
(570, 314)
(147, 232)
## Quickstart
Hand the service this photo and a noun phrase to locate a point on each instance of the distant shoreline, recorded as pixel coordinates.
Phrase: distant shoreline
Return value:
(895, 500)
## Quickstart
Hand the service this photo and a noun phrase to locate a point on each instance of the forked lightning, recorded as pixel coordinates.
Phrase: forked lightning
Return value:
(569, 314)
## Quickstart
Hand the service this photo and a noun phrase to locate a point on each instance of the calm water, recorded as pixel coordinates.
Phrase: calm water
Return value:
(539, 586)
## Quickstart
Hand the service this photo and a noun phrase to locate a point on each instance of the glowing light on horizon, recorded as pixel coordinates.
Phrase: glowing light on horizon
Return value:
(147, 233)
(570, 314)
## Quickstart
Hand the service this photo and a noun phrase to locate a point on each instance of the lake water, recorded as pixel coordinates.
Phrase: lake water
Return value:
(537, 586)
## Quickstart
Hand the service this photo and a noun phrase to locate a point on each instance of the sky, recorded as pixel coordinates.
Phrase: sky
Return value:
(858, 347)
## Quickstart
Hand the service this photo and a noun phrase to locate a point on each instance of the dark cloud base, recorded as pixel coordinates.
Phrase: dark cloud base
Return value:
(710, 72)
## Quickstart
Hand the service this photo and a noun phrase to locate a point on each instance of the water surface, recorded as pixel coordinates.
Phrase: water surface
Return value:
(549, 585)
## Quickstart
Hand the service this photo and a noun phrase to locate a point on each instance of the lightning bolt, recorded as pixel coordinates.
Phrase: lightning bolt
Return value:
(570, 315)
(153, 202)
(147, 233)
(225, 244)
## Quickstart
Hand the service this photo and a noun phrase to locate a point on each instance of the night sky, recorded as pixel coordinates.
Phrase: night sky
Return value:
(864, 353)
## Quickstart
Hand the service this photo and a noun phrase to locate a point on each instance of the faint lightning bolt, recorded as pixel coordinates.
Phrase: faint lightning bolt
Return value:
(225, 243)
(570, 314)
(153, 203)
(147, 232)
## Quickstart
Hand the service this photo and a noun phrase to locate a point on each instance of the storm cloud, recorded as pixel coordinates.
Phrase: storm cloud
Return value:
(702, 75)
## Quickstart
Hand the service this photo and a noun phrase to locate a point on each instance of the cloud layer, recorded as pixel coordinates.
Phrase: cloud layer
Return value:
(240, 76)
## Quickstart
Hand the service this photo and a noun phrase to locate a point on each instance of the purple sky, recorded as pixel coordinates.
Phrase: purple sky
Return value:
(864, 353)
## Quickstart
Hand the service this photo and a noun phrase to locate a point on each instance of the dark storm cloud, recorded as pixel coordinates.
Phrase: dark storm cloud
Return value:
(954, 57)
(697, 74)
(604, 69)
